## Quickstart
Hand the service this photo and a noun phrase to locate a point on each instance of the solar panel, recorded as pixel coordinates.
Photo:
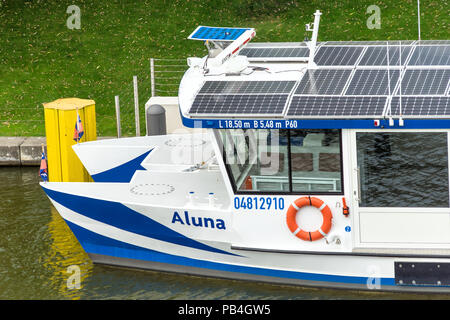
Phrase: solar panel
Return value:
(372, 82)
(429, 42)
(336, 107)
(425, 82)
(377, 56)
(431, 55)
(280, 52)
(267, 104)
(276, 44)
(323, 81)
(242, 97)
(368, 43)
(337, 56)
(214, 33)
(421, 106)
(246, 87)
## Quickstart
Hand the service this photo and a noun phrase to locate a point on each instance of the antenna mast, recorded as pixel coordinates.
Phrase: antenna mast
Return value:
(313, 43)
(418, 17)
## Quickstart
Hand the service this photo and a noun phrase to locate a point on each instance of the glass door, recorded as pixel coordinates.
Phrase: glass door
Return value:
(401, 187)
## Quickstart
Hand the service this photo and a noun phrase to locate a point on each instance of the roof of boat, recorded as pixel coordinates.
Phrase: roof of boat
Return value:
(350, 84)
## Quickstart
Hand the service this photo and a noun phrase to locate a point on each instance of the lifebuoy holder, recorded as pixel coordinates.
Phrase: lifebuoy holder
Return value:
(295, 207)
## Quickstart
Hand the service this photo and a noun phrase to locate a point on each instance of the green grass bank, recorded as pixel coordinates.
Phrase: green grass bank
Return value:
(41, 59)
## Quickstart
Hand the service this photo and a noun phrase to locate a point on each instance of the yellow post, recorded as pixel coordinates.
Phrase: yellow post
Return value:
(60, 120)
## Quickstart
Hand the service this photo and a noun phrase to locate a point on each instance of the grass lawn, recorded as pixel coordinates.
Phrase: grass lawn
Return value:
(42, 60)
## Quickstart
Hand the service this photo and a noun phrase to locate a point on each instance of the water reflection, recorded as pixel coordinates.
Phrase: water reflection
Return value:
(37, 247)
(65, 251)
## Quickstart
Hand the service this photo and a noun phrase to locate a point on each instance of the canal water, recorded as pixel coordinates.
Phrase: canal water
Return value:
(38, 253)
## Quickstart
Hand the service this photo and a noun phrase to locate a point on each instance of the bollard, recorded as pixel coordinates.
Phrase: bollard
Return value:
(60, 119)
(156, 120)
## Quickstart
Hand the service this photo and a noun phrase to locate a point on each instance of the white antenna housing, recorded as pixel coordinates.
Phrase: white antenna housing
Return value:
(223, 46)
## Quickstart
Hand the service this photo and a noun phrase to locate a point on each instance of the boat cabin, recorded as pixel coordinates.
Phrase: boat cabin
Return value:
(362, 125)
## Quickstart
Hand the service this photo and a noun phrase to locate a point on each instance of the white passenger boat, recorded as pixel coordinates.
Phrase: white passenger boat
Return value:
(319, 164)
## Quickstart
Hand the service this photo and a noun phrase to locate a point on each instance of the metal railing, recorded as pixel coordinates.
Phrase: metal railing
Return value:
(165, 75)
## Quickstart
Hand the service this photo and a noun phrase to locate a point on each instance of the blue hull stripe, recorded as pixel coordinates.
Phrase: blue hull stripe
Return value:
(118, 215)
(98, 244)
(123, 172)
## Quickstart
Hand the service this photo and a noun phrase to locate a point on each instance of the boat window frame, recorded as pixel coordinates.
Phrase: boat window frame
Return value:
(290, 192)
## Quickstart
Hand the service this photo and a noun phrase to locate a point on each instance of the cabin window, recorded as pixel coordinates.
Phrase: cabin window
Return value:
(403, 169)
(316, 161)
(298, 161)
(257, 159)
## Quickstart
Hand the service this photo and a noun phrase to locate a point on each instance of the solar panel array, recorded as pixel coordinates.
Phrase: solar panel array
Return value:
(352, 80)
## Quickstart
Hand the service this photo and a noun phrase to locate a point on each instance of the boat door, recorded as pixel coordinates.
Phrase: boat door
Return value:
(400, 188)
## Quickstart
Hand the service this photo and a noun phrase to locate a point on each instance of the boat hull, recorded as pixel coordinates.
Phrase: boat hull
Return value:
(120, 246)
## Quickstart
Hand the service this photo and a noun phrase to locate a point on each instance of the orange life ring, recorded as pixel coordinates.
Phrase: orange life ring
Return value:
(295, 207)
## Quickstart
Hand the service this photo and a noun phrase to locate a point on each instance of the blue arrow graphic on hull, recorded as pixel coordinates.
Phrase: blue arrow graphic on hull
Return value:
(123, 172)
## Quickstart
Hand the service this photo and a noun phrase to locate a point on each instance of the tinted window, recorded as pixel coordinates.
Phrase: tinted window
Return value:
(403, 169)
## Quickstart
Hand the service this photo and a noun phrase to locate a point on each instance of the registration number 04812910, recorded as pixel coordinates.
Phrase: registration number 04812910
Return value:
(259, 203)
